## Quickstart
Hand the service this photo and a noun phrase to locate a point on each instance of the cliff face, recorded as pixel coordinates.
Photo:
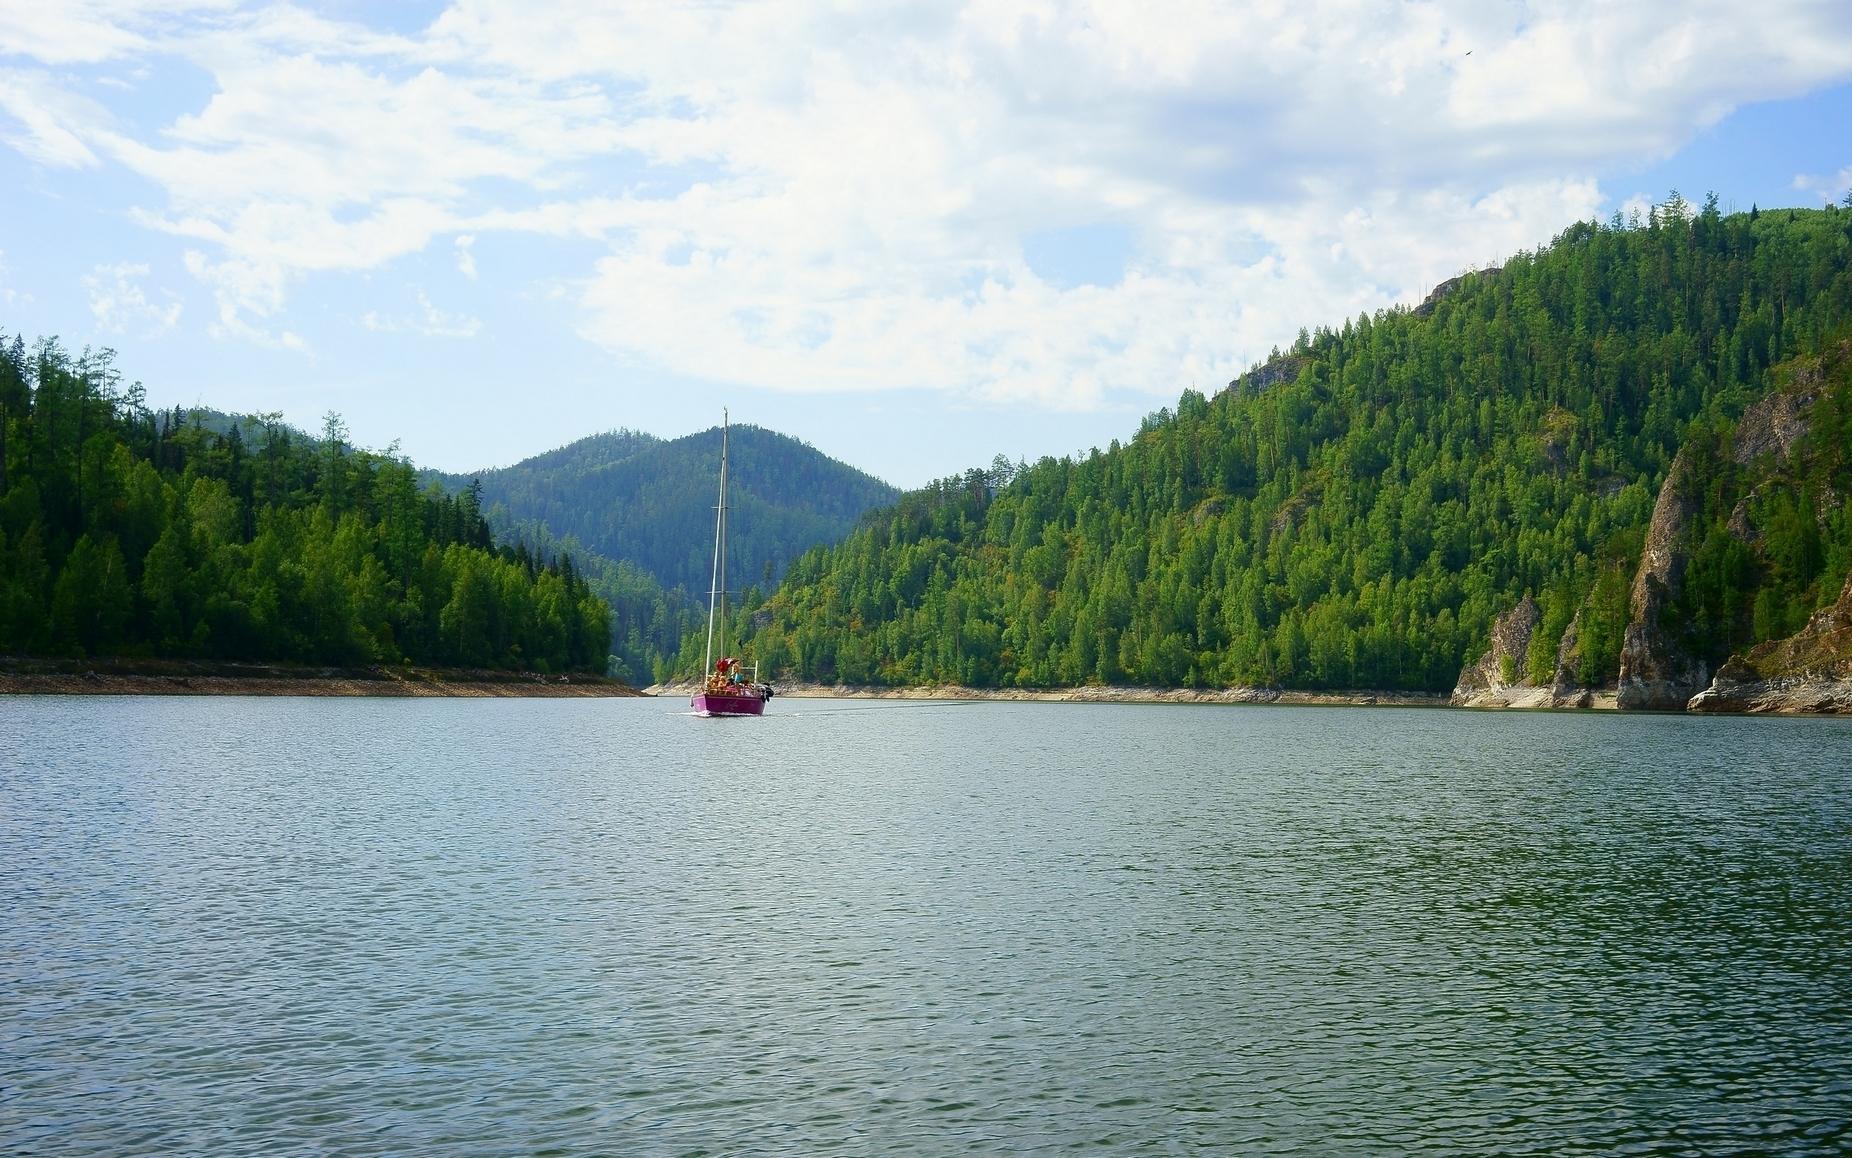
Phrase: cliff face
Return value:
(1779, 420)
(1284, 368)
(1498, 680)
(1566, 690)
(1656, 673)
(1810, 671)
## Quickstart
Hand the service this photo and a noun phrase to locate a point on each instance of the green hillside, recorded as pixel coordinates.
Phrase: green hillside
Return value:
(130, 532)
(1771, 533)
(637, 512)
(1356, 512)
(634, 498)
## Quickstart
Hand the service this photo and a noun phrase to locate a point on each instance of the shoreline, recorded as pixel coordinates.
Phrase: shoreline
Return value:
(1523, 700)
(1092, 695)
(126, 677)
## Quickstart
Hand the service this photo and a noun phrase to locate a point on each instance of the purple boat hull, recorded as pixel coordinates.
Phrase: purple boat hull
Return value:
(728, 704)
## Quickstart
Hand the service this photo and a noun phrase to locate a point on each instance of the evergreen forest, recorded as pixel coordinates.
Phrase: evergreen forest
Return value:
(648, 621)
(638, 513)
(131, 532)
(650, 502)
(1356, 511)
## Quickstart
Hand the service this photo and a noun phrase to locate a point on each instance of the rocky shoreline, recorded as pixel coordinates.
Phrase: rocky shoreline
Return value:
(1784, 697)
(1089, 695)
(1810, 672)
(177, 678)
(1806, 674)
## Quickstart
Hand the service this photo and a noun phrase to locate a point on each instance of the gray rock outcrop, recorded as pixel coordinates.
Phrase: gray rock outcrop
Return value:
(1656, 673)
(1451, 284)
(1566, 690)
(1284, 368)
(1810, 671)
(1498, 680)
(1777, 421)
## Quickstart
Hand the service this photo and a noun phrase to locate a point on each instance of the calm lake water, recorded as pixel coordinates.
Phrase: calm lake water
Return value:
(601, 926)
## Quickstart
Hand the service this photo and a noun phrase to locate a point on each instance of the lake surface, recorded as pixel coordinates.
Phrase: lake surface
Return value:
(257, 926)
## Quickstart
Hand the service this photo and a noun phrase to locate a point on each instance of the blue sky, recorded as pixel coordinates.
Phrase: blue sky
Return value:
(916, 238)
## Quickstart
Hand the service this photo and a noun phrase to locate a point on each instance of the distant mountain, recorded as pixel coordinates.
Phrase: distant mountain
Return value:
(632, 497)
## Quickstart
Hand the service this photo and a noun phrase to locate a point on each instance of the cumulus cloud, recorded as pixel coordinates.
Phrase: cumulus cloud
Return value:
(809, 197)
(121, 306)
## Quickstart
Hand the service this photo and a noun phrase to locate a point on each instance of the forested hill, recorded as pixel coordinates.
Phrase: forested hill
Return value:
(1356, 512)
(139, 533)
(633, 498)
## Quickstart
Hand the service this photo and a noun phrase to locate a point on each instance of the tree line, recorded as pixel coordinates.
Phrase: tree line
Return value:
(649, 622)
(137, 532)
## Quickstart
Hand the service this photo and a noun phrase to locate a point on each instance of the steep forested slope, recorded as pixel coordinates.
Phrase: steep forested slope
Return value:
(130, 532)
(1767, 538)
(1358, 510)
(637, 499)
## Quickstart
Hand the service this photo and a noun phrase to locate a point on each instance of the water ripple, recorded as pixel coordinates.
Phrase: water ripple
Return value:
(577, 927)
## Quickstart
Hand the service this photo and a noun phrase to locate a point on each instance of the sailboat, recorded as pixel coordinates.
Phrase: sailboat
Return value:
(727, 690)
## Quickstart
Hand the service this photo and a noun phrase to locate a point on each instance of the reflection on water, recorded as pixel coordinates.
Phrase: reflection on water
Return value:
(251, 926)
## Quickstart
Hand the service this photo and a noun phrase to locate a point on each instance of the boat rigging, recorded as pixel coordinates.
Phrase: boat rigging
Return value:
(727, 691)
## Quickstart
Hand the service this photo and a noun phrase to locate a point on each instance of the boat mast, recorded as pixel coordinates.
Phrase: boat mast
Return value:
(717, 587)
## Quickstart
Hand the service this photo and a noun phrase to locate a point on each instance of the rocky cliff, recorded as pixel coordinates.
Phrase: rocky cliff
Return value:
(1810, 671)
(1498, 680)
(1780, 419)
(1566, 690)
(1281, 368)
(1656, 673)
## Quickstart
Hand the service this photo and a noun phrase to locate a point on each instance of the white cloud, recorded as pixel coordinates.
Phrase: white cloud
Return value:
(1203, 314)
(121, 306)
(1833, 189)
(429, 321)
(42, 113)
(810, 197)
(244, 289)
(88, 31)
(1637, 209)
